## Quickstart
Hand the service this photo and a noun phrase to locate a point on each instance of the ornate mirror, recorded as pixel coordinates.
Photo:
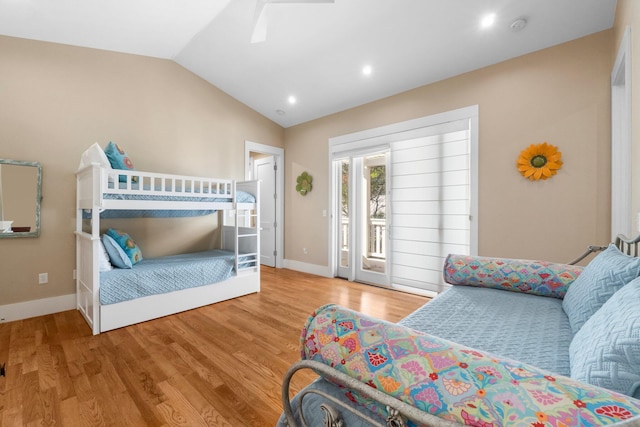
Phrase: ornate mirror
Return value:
(20, 195)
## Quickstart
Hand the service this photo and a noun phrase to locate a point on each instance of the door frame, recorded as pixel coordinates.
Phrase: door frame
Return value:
(278, 154)
(621, 171)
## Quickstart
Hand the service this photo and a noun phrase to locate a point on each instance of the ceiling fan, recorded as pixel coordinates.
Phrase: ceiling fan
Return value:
(259, 33)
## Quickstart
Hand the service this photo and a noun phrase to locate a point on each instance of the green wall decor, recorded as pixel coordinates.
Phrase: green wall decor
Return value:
(303, 185)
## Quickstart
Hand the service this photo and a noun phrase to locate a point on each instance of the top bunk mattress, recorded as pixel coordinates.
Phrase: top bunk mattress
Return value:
(241, 197)
(165, 274)
(189, 194)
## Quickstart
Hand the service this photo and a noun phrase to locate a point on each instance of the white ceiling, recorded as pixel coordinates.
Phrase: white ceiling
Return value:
(313, 51)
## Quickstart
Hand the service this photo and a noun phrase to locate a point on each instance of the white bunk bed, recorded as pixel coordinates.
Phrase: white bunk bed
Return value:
(100, 190)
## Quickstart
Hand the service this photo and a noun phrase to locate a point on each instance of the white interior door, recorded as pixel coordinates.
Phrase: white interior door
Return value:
(265, 172)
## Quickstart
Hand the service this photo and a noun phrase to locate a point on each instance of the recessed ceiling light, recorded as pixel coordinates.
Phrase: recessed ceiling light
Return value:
(367, 70)
(280, 112)
(292, 99)
(488, 20)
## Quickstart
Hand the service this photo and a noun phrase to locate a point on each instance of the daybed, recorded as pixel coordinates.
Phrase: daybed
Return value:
(513, 342)
(158, 287)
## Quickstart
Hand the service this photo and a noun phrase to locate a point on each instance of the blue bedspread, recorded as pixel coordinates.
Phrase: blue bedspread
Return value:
(165, 274)
(528, 328)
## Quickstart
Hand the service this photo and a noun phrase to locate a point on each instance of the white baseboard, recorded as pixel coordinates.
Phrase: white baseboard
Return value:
(39, 307)
(318, 270)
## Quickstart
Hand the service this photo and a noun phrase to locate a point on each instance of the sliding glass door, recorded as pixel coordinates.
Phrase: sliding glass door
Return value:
(404, 197)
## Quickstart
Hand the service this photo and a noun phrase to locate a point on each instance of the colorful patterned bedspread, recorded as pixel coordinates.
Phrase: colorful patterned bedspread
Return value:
(452, 381)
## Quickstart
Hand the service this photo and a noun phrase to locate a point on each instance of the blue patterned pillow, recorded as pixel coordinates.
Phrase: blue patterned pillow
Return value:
(605, 274)
(116, 255)
(606, 350)
(127, 244)
(119, 160)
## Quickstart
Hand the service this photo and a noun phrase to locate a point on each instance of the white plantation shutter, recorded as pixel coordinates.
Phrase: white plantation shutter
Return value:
(430, 203)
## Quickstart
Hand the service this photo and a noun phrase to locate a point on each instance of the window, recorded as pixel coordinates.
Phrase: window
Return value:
(430, 200)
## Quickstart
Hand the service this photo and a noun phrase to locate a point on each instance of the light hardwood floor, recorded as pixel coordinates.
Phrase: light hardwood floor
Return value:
(217, 365)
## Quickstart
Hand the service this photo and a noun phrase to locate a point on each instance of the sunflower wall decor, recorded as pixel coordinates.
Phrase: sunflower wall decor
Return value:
(539, 161)
(303, 185)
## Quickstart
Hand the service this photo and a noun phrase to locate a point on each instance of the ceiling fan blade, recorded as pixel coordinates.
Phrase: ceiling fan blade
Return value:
(259, 33)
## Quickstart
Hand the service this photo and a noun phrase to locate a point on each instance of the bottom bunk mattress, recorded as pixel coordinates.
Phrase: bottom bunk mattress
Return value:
(166, 274)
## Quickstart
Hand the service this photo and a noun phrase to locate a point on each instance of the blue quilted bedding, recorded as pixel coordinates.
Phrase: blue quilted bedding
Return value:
(165, 274)
(241, 197)
(519, 326)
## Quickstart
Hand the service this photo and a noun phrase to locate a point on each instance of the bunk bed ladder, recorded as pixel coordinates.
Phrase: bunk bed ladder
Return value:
(236, 228)
(247, 233)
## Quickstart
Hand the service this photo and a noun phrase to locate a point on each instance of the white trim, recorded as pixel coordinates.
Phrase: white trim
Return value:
(38, 307)
(362, 139)
(278, 154)
(474, 212)
(318, 270)
(621, 176)
(1, 208)
(415, 291)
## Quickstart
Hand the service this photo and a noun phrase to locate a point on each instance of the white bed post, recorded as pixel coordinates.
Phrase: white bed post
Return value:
(99, 180)
(78, 241)
(236, 229)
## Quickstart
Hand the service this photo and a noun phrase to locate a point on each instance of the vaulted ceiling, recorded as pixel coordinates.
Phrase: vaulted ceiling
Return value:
(313, 52)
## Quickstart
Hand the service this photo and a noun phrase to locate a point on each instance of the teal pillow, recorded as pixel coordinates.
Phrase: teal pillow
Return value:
(127, 244)
(116, 254)
(606, 350)
(604, 275)
(119, 160)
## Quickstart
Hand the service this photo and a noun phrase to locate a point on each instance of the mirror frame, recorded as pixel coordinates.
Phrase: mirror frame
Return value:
(38, 167)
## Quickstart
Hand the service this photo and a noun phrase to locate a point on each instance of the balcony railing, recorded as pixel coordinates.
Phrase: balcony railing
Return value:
(376, 242)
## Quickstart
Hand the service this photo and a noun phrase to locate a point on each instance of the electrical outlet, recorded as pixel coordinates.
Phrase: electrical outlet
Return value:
(43, 278)
(75, 274)
(305, 251)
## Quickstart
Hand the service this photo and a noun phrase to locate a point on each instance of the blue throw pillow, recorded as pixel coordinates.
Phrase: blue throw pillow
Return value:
(127, 244)
(116, 254)
(606, 350)
(119, 160)
(604, 275)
